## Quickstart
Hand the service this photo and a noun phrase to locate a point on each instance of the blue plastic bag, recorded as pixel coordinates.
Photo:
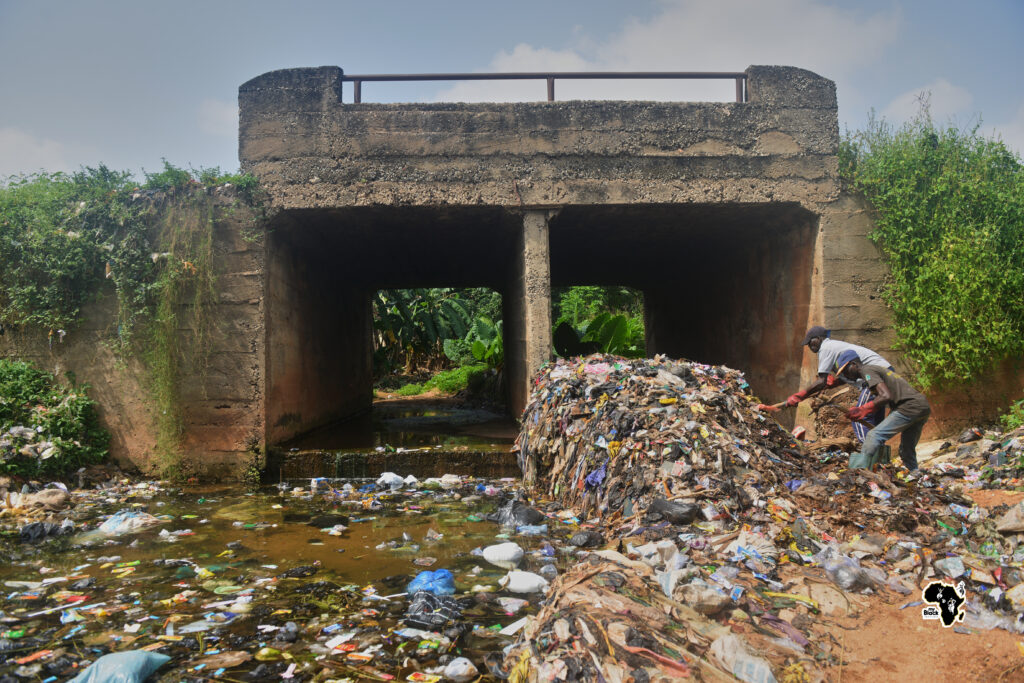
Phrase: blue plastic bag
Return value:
(122, 667)
(440, 582)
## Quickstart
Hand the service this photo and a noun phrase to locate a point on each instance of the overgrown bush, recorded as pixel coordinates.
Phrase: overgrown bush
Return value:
(950, 223)
(45, 427)
(1014, 417)
(62, 236)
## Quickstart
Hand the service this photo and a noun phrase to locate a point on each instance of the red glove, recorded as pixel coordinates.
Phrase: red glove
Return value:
(830, 381)
(860, 412)
(796, 398)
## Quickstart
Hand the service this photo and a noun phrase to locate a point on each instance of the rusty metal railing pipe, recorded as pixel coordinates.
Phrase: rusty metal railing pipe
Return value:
(739, 76)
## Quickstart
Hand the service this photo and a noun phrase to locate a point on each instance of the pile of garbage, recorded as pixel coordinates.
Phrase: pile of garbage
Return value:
(712, 542)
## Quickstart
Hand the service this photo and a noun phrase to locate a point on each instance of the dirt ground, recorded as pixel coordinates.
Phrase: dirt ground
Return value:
(990, 498)
(889, 644)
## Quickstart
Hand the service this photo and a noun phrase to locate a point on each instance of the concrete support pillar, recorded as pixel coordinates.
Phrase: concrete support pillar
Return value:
(527, 301)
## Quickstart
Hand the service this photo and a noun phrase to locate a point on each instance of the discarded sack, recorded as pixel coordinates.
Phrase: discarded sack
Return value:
(122, 667)
(128, 521)
(460, 670)
(504, 555)
(439, 582)
(431, 612)
(523, 582)
(516, 514)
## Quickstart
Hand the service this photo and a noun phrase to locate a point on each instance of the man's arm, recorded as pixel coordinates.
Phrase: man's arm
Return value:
(882, 398)
(823, 382)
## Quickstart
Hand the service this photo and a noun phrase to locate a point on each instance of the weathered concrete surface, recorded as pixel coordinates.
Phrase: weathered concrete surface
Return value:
(634, 186)
(221, 401)
(318, 327)
(528, 313)
(313, 151)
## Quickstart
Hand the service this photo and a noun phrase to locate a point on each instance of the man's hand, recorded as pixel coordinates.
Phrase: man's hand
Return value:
(796, 398)
(858, 413)
(831, 381)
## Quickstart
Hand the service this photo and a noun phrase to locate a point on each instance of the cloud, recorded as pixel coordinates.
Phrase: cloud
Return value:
(945, 102)
(22, 152)
(694, 35)
(219, 118)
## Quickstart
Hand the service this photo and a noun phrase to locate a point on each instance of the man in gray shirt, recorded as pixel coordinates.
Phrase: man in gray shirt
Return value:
(818, 341)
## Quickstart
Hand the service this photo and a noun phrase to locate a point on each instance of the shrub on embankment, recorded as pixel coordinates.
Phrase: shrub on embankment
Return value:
(67, 239)
(950, 223)
(45, 427)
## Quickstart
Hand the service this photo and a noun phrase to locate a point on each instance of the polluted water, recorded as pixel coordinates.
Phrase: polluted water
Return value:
(382, 579)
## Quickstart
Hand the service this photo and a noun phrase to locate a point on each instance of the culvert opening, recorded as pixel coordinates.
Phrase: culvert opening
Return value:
(328, 274)
(722, 284)
(438, 377)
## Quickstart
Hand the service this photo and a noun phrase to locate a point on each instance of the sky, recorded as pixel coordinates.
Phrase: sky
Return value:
(130, 83)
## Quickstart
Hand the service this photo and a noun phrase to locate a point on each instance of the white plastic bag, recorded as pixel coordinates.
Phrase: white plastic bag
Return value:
(523, 582)
(504, 555)
(460, 670)
(731, 651)
(390, 479)
(128, 521)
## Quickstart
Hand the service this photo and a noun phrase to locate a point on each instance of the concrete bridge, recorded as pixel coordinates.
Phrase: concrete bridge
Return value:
(728, 216)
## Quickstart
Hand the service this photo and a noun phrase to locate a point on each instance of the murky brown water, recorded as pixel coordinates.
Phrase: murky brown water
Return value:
(227, 545)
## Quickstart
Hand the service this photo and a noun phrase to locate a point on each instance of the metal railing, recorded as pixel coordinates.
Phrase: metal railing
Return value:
(738, 76)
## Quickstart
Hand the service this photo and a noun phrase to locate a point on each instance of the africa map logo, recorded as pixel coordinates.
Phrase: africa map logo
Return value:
(947, 602)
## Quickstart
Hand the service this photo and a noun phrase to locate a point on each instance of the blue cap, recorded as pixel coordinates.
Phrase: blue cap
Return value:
(844, 359)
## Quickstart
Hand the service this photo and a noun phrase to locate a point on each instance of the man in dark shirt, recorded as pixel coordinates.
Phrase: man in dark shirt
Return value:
(908, 410)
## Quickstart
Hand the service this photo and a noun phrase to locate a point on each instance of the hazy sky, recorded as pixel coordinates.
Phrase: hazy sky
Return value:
(127, 83)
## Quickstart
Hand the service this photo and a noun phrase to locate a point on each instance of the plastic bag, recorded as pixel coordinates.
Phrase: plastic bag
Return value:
(972, 434)
(702, 597)
(391, 480)
(844, 571)
(122, 667)
(440, 582)
(586, 539)
(516, 514)
(431, 612)
(450, 481)
(128, 521)
(676, 513)
(732, 652)
(460, 670)
(523, 582)
(504, 555)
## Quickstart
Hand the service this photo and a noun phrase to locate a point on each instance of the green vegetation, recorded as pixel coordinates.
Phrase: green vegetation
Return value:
(1014, 417)
(950, 222)
(447, 381)
(45, 427)
(580, 305)
(433, 329)
(599, 319)
(412, 325)
(63, 236)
